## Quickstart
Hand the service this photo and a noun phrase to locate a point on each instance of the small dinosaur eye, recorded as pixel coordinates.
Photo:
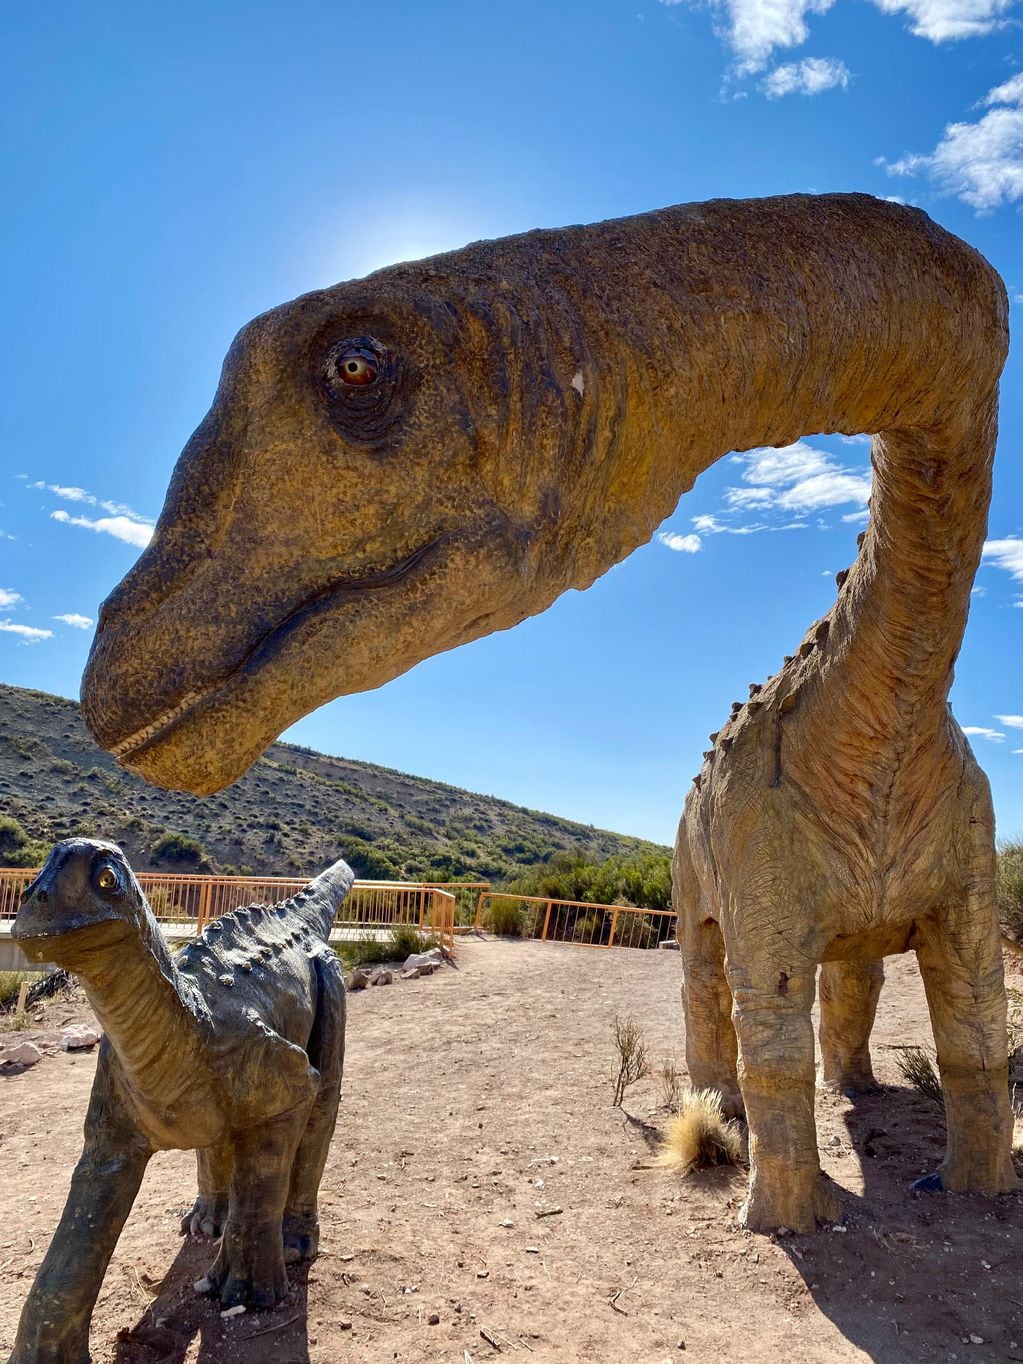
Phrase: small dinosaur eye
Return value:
(357, 368)
(107, 879)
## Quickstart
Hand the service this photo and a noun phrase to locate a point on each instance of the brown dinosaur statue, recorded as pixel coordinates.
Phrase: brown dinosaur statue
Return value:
(394, 466)
(232, 1047)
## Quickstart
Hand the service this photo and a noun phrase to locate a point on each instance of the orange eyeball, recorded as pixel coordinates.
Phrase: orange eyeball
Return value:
(107, 879)
(357, 368)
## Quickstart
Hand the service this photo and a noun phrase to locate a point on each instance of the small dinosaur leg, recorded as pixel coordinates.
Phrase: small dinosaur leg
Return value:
(711, 1047)
(208, 1213)
(961, 963)
(776, 1073)
(848, 995)
(54, 1327)
(249, 1268)
(327, 1054)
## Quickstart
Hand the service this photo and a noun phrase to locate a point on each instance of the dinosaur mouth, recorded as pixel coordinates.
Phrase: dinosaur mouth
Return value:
(324, 599)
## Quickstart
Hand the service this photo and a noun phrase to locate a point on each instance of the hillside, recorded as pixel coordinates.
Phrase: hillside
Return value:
(293, 812)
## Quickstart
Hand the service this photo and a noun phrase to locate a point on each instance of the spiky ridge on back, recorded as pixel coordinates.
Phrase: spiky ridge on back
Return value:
(243, 937)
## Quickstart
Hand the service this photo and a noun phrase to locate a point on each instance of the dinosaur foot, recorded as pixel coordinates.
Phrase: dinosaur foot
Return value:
(301, 1237)
(208, 1216)
(800, 1203)
(851, 1083)
(248, 1272)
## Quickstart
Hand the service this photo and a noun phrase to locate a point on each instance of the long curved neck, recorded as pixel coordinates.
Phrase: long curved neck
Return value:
(681, 335)
(133, 992)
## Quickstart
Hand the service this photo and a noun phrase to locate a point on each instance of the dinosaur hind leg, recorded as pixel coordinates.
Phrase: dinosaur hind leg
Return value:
(208, 1214)
(711, 1048)
(961, 963)
(848, 994)
(326, 1052)
(249, 1268)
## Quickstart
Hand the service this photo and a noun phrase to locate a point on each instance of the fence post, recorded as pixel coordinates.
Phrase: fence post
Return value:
(479, 911)
(546, 922)
(203, 915)
(614, 925)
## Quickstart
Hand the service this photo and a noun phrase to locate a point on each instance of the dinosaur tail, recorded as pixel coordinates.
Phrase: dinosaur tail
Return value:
(317, 903)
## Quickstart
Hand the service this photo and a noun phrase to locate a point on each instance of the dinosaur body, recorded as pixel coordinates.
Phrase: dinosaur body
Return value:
(232, 1047)
(397, 465)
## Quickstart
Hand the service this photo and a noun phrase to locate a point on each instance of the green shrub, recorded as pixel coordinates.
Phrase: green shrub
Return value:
(406, 940)
(182, 849)
(10, 984)
(17, 849)
(1010, 888)
(505, 917)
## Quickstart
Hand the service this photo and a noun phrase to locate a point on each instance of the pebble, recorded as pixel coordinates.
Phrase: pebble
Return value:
(433, 1319)
(234, 1311)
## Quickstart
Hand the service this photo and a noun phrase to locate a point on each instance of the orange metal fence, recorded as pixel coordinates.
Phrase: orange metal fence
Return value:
(466, 894)
(186, 902)
(575, 921)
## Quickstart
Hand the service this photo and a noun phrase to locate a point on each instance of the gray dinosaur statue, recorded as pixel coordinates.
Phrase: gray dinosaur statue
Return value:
(232, 1047)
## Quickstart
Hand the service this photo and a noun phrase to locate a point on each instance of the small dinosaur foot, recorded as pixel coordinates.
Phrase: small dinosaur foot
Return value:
(248, 1272)
(208, 1216)
(301, 1237)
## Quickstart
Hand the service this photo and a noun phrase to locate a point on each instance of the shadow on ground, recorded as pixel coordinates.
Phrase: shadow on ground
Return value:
(938, 1280)
(178, 1315)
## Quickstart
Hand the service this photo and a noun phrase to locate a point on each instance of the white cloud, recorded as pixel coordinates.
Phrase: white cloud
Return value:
(982, 162)
(1017, 750)
(797, 477)
(28, 634)
(1010, 721)
(855, 518)
(124, 528)
(833, 489)
(993, 736)
(682, 544)
(947, 20)
(1007, 554)
(754, 28)
(811, 76)
(68, 494)
(9, 598)
(78, 621)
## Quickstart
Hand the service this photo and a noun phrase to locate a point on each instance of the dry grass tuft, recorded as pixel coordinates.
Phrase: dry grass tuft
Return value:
(917, 1068)
(700, 1135)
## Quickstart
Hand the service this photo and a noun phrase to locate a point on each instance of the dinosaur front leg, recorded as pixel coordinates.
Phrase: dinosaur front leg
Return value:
(772, 1003)
(711, 1048)
(961, 964)
(54, 1326)
(249, 1268)
(208, 1214)
(848, 993)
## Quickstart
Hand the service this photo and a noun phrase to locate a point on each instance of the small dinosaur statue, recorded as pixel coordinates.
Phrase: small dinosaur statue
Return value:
(232, 1047)
(396, 465)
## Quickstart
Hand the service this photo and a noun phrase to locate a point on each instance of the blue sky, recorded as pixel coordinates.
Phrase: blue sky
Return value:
(173, 170)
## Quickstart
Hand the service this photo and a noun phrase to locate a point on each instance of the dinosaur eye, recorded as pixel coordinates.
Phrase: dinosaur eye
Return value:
(107, 879)
(357, 367)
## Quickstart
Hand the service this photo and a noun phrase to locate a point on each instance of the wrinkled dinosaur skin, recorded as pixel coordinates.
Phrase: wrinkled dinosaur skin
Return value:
(233, 1047)
(394, 466)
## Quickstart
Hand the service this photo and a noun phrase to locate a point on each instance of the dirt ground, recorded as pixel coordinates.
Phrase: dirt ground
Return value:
(480, 1182)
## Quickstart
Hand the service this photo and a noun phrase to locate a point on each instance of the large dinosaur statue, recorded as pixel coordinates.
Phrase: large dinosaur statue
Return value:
(233, 1047)
(394, 466)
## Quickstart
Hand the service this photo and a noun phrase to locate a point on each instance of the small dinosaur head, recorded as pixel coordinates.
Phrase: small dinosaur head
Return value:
(85, 897)
(378, 481)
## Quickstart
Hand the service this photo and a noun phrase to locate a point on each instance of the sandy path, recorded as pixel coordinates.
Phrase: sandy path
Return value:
(479, 1097)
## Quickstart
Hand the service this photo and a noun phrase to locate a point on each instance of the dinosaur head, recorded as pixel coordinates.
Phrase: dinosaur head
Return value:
(377, 482)
(85, 897)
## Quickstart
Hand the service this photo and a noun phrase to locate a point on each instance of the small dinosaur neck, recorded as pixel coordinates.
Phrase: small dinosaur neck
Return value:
(133, 991)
